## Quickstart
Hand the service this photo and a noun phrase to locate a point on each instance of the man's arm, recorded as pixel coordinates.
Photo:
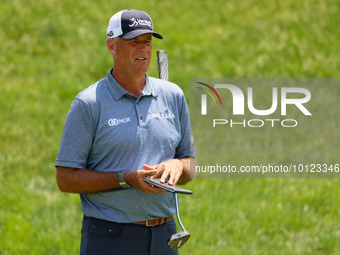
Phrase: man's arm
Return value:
(189, 165)
(72, 180)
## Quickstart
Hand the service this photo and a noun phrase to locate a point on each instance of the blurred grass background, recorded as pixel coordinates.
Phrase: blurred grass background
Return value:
(51, 50)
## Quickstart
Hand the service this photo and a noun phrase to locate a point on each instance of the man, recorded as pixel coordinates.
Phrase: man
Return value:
(122, 129)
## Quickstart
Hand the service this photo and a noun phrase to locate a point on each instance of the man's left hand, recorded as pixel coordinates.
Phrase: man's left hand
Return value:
(172, 168)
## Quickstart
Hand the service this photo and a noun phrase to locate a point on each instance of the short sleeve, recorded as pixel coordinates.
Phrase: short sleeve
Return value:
(186, 146)
(77, 138)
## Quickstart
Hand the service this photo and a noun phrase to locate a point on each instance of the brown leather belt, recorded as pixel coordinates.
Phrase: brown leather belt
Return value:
(154, 222)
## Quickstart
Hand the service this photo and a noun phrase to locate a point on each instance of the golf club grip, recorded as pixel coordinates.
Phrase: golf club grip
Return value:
(162, 57)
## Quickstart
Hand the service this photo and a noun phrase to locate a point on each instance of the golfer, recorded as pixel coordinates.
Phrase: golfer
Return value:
(124, 128)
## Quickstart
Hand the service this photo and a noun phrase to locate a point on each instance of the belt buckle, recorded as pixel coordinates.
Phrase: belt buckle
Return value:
(154, 222)
(147, 223)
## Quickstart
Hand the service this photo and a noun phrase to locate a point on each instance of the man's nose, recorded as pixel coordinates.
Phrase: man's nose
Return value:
(143, 47)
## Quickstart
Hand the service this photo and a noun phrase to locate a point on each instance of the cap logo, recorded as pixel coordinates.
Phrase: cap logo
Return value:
(140, 22)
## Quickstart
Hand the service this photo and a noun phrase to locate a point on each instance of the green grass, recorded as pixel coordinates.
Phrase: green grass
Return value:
(263, 216)
(51, 50)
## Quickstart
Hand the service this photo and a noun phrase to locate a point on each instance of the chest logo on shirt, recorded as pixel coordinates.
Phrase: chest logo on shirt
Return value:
(169, 115)
(116, 122)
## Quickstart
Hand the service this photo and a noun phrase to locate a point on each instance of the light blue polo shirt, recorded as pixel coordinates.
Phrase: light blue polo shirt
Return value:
(109, 130)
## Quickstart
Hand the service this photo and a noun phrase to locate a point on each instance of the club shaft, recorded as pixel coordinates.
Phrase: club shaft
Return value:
(163, 71)
(177, 212)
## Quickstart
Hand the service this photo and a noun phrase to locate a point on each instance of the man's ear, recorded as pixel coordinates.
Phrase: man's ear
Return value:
(110, 42)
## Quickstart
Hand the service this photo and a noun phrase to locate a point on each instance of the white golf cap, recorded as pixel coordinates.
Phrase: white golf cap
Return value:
(128, 24)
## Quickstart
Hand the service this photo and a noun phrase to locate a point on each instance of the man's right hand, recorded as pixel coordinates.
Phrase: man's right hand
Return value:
(137, 179)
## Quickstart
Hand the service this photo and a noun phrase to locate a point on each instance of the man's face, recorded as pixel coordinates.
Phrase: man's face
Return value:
(133, 55)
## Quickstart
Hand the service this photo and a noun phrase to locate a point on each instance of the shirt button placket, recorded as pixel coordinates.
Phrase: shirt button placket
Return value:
(139, 116)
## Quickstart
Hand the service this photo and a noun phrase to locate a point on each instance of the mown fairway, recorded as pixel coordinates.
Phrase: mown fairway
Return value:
(51, 50)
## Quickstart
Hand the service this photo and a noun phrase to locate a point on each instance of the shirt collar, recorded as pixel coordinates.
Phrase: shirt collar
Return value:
(118, 91)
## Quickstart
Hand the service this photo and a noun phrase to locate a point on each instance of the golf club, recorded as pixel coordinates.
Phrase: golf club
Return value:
(179, 239)
(162, 57)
